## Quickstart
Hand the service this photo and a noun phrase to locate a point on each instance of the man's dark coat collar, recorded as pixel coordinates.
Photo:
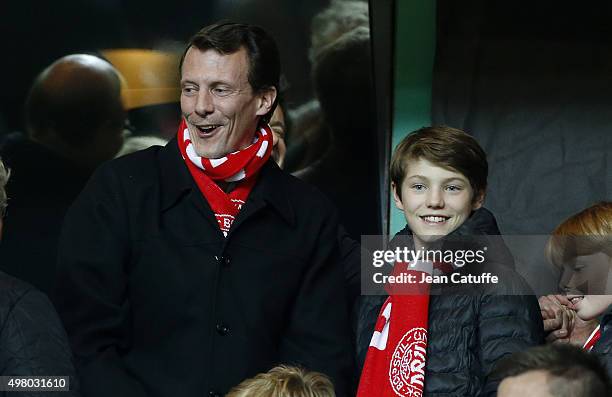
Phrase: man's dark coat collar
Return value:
(271, 188)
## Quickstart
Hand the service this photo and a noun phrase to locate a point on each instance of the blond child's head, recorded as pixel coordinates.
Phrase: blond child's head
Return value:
(285, 381)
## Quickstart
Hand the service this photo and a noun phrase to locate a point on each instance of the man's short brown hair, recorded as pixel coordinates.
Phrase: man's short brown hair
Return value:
(285, 381)
(445, 147)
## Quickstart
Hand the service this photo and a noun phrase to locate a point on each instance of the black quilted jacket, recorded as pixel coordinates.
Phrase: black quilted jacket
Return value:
(32, 339)
(468, 333)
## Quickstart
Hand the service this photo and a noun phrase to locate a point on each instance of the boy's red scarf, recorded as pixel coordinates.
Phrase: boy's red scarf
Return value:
(241, 167)
(395, 361)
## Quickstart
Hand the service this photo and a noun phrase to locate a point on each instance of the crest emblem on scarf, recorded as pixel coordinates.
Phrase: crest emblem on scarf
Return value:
(407, 369)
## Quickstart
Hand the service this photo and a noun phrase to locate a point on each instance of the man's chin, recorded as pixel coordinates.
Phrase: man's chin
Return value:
(202, 151)
(209, 154)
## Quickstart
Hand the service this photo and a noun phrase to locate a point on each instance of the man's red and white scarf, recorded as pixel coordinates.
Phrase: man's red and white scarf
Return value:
(396, 357)
(240, 167)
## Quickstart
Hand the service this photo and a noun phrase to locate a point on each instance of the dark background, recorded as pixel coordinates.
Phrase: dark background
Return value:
(532, 81)
(35, 33)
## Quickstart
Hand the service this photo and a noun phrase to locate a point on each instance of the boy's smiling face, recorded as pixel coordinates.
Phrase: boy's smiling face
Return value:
(435, 200)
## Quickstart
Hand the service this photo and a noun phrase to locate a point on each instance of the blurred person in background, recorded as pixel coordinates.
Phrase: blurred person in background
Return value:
(32, 339)
(340, 158)
(75, 119)
(310, 140)
(343, 84)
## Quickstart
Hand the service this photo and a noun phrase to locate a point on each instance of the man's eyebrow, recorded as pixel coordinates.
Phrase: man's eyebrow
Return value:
(219, 82)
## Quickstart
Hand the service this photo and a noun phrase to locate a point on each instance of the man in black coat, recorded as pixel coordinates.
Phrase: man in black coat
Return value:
(188, 268)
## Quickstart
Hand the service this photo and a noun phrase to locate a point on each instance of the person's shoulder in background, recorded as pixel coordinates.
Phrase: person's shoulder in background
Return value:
(33, 341)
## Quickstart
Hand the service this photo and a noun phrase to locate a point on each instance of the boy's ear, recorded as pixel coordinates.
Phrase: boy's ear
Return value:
(478, 200)
(396, 198)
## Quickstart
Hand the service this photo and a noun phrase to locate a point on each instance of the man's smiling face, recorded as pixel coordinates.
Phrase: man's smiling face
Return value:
(218, 103)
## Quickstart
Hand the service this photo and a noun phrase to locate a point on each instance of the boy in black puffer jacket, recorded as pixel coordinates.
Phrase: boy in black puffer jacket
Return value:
(439, 178)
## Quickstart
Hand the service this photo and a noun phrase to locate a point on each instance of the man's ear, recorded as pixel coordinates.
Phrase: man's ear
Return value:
(396, 198)
(265, 100)
(478, 200)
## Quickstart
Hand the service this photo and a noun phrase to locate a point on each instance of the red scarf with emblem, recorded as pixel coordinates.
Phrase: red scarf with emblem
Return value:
(396, 358)
(240, 167)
